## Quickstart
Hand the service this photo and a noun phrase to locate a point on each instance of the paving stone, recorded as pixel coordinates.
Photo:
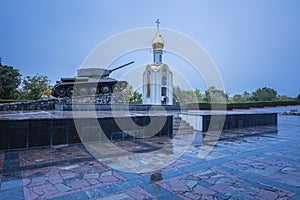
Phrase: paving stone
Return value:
(289, 169)
(107, 173)
(191, 183)
(89, 176)
(261, 172)
(55, 178)
(206, 172)
(72, 196)
(49, 191)
(39, 160)
(267, 195)
(221, 188)
(37, 181)
(15, 193)
(62, 187)
(222, 196)
(30, 194)
(70, 167)
(116, 197)
(178, 186)
(38, 190)
(93, 181)
(7, 185)
(68, 174)
(139, 193)
(108, 179)
(78, 184)
(240, 195)
(191, 195)
(203, 190)
(102, 191)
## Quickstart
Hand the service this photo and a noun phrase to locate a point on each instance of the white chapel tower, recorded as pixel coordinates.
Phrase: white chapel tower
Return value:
(157, 78)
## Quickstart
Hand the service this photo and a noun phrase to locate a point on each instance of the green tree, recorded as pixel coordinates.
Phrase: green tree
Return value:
(33, 87)
(136, 98)
(10, 79)
(246, 96)
(264, 94)
(133, 97)
(285, 98)
(241, 98)
(200, 97)
(177, 95)
(298, 97)
(185, 96)
(238, 98)
(214, 95)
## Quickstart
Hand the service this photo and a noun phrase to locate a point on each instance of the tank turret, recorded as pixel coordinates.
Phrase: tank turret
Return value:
(90, 82)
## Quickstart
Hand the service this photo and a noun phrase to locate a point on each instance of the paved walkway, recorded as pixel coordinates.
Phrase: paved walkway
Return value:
(264, 166)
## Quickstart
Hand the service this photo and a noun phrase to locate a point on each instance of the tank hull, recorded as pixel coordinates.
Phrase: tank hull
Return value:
(91, 85)
(69, 89)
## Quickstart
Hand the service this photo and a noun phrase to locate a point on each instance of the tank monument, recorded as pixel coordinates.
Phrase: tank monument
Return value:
(91, 85)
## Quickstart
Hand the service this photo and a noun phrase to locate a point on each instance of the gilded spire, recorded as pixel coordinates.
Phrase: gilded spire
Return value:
(158, 41)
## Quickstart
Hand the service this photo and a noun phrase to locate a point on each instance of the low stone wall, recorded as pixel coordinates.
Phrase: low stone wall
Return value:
(47, 104)
(27, 133)
(234, 121)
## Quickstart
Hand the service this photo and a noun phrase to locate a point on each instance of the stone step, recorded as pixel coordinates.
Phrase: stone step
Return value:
(179, 125)
(183, 127)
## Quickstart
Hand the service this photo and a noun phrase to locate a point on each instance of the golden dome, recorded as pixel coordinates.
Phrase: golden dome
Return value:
(158, 41)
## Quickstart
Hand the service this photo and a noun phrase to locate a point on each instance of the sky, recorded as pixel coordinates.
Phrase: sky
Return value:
(253, 43)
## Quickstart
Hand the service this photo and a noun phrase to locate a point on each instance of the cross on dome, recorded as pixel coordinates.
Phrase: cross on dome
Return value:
(157, 23)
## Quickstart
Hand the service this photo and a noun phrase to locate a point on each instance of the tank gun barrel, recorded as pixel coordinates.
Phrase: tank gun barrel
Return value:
(111, 70)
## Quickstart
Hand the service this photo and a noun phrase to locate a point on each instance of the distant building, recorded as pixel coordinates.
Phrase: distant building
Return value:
(157, 78)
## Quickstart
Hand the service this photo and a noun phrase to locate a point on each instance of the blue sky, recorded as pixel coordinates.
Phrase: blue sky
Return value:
(253, 43)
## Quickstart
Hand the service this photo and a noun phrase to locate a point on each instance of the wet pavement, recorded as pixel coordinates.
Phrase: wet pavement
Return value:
(262, 166)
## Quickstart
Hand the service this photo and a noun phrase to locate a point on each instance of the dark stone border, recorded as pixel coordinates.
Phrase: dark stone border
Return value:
(233, 121)
(27, 133)
(107, 107)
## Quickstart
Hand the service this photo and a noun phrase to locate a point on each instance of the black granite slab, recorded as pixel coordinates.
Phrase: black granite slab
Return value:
(27, 133)
(233, 121)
